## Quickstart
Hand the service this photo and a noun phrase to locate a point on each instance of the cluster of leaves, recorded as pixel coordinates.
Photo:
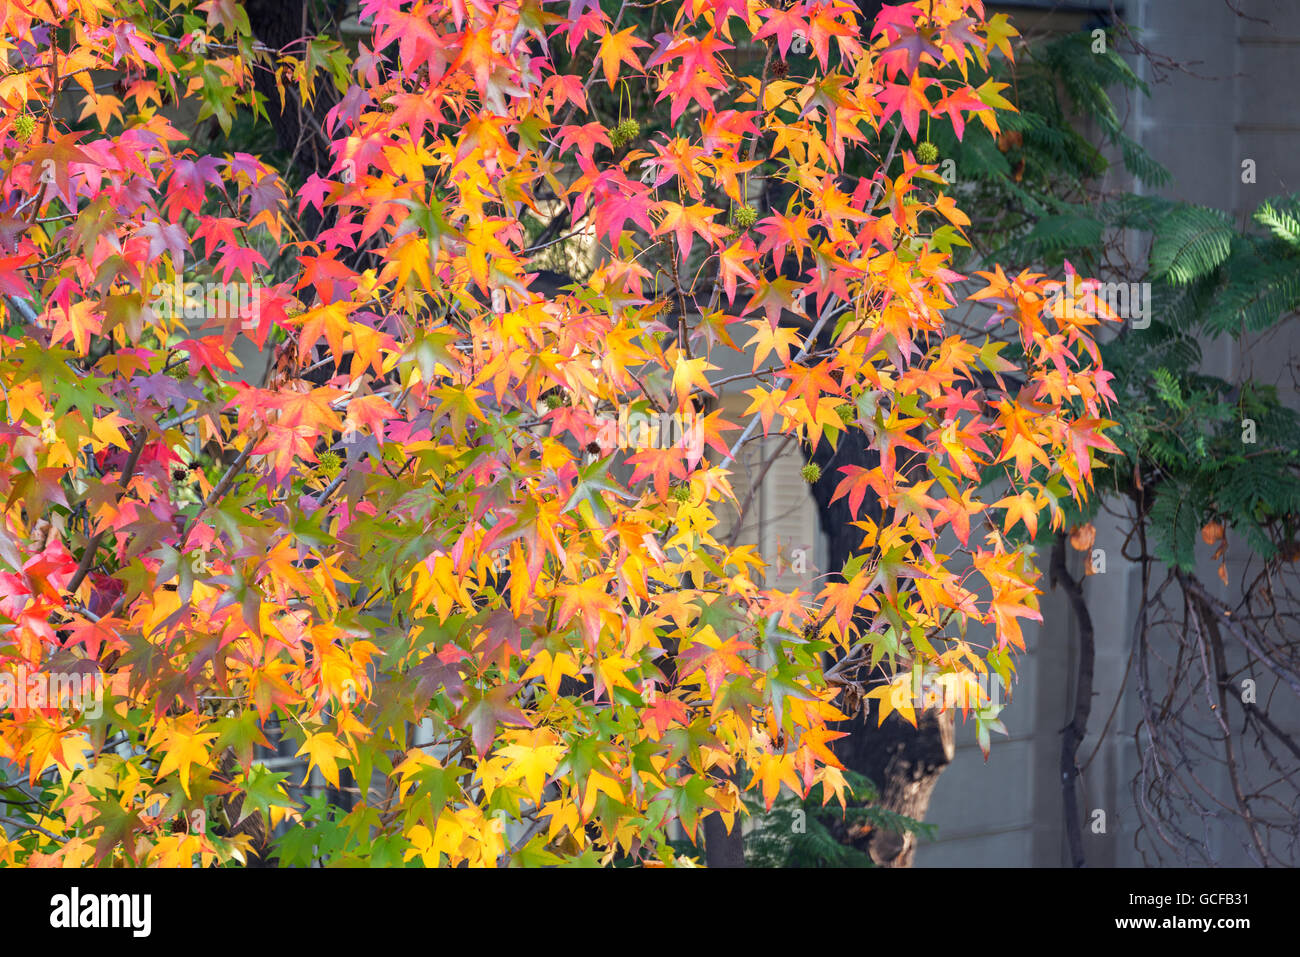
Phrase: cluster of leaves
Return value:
(438, 573)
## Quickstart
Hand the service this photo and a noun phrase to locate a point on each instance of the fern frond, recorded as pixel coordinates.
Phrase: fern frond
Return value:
(1140, 163)
(1282, 216)
(1190, 242)
(1130, 211)
(1184, 307)
(1174, 525)
(1053, 235)
(1259, 291)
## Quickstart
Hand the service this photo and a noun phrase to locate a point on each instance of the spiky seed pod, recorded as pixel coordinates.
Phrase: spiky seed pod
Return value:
(682, 493)
(811, 472)
(846, 413)
(927, 152)
(746, 217)
(329, 464)
(24, 127)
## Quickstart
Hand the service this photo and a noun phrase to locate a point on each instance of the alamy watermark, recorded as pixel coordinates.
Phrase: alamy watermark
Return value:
(946, 691)
(75, 910)
(1077, 298)
(665, 430)
(208, 300)
(73, 691)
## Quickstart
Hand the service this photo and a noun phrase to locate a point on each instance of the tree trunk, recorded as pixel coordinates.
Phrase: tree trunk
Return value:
(720, 848)
(905, 764)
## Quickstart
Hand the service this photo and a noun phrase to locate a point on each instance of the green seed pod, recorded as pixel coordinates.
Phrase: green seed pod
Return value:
(329, 464)
(24, 127)
(746, 217)
(846, 413)
(927, 152)
(811, 472)
(682, 493)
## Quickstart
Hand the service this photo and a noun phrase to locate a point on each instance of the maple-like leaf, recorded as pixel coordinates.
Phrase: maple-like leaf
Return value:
(324, 751)
(773, 771)
(768, 338)
(732, 266)
(484, 710)
(686, 222)
(618, 48)
(907, 100)
(954, 103)
(719, 660)
(894, 696)
(533, 757)
(183, 745)
(906, 52)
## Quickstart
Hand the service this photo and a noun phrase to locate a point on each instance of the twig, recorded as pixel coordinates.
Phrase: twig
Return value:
(23, 825)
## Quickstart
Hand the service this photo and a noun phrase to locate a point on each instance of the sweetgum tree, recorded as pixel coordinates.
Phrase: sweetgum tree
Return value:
(414, 549)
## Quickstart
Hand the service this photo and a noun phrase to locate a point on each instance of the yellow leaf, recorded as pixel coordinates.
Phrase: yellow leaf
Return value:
(563, 814)
(895, 696)
(108, 431)
(780, 340)
(599, 782)
(773, 771)
(533, 761)
(183, 746)
(324, 751)
(552, 668)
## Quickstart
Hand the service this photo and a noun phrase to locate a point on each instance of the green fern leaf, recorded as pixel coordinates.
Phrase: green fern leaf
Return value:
(1282, 216)
(1174, 525)
(1190, 243)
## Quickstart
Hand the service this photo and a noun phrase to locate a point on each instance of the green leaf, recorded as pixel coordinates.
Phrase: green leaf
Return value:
(1191, 242)
(1282, 217)
(535, 854)
(592, 481)
(240, 733)
(262, 791)
(1174, 524)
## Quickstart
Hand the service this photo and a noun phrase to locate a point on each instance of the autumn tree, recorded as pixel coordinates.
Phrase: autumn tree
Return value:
(417, 548)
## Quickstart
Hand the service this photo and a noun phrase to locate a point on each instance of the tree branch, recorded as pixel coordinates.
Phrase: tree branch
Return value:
(1074, 732)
